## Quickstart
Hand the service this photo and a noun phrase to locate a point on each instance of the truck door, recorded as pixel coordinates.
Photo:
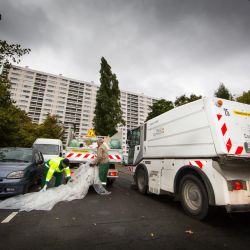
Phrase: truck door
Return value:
(134, 145)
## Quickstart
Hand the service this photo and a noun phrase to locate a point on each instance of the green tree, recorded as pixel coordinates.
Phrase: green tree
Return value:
(51, 128)
(11, 53)
(12, 119)
(108, 113)
(159, 108)
(183, 99)
(223, 92)
(245, 98)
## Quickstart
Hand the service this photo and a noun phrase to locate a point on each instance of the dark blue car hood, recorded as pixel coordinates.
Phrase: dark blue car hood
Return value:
(8, 167)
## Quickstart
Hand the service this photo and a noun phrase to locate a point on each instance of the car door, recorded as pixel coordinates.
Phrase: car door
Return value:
(40, 165)
(37, 169)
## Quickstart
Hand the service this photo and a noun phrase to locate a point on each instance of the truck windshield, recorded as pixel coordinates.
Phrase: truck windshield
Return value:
(135, 137)
(134, 140)
(48, 149)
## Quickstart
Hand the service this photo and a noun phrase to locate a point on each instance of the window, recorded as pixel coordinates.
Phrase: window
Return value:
(51, 82)
(28, 77)
(13, 79)
(15, 74)
(29, 73)
(25, 96)
(26, 86)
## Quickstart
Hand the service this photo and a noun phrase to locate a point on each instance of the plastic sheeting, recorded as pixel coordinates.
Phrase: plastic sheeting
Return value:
(83, 177)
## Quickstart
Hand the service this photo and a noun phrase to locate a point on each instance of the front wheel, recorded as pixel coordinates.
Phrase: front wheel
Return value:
(141, 179)
(194, 198)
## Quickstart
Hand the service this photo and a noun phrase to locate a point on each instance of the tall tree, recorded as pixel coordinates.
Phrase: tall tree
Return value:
(108, 113)
(244, 98)
(12, 119)
(223, 92)
(159, 108)
(11, 53)
(183, 99)
(51, 128)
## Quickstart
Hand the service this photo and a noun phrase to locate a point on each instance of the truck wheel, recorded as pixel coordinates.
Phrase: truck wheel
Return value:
(110, 182)
(194, 198)
(142, 181)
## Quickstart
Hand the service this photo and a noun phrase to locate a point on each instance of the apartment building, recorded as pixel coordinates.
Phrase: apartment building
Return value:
(73, 101)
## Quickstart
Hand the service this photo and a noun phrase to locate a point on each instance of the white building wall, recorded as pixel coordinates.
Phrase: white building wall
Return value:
(73, 101)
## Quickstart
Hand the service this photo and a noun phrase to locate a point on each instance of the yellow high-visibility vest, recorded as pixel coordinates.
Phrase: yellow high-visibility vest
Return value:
(54, 166)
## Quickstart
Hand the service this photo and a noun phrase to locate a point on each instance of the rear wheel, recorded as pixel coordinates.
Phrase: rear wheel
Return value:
(141, 179)
(110, 182)
(194, 198)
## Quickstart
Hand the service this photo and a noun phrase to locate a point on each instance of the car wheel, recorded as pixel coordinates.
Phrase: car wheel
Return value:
(194, 198)
(141, 179)
(26, 189)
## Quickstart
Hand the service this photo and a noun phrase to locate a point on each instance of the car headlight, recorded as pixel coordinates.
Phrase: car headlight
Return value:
(16, 175)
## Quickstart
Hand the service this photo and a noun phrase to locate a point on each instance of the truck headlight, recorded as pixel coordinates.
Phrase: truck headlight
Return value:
(16, 175)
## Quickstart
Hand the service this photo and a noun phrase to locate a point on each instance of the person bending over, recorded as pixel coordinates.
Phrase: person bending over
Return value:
(55, 167)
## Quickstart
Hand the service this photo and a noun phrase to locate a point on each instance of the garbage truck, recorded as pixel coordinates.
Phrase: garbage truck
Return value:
(83, 149)
(199, 153)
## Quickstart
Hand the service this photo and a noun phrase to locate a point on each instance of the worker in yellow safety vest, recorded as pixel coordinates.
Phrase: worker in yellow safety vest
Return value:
(55, 167)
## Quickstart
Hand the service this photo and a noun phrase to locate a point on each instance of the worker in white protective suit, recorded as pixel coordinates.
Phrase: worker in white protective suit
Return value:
(101, 164)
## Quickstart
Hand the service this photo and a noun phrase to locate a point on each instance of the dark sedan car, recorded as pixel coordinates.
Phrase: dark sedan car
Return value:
(20, 168)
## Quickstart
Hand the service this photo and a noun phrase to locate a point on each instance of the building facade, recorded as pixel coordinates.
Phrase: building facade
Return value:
(73, 101)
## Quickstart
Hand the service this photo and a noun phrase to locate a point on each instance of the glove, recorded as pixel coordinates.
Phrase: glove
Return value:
(44, 188)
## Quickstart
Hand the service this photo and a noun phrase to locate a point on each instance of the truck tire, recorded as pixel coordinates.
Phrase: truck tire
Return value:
(110, 182)
(193, 196)
(141, 179)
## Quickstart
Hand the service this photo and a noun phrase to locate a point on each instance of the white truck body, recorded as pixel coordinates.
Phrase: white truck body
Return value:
(208, 138)
(50, 148)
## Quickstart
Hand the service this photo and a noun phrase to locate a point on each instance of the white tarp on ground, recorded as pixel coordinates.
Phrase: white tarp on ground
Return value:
(83, 177)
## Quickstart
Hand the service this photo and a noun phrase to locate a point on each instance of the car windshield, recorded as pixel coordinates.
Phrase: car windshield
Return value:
(16, 154)
(48, 149)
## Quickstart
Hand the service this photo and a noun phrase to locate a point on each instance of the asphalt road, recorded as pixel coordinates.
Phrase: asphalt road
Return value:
(123, 220)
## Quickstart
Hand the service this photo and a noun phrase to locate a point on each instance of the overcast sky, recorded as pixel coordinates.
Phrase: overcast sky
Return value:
(162, 48)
